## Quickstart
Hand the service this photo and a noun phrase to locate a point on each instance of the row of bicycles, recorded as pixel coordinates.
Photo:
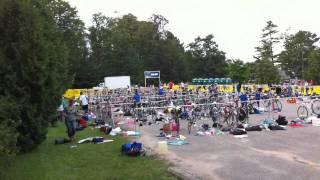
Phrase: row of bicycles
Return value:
(224, 110)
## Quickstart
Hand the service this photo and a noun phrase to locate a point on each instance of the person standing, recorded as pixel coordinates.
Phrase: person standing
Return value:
(170, 85)
(258, 97)
(244, 99)
(182, 86)
(161, 91)
(306, 85)
(239, 88)
(70, 119)
(137, 99)
(84, 102)
(60, 110)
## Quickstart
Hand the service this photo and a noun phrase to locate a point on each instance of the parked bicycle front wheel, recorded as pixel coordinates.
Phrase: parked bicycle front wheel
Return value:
(190, 124)
(266, 103)
(231, 121)
(278, 105)
(302, 112)
(316, 107)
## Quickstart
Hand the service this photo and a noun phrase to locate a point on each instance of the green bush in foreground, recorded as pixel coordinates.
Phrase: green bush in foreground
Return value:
(32, 73)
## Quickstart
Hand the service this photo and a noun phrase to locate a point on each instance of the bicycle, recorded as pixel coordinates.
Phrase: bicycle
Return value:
(195, 114)
(273, 103)
(308, 106)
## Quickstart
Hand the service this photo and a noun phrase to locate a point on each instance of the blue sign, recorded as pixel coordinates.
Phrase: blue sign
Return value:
(152, 74)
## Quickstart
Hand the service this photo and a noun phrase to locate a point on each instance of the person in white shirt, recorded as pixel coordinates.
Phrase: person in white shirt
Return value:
(182, 85)
(84, 102)
(306, 86)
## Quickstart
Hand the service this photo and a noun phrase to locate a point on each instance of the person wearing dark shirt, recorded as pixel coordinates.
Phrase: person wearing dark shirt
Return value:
(239, 88)
(278, 90)
(258, 97)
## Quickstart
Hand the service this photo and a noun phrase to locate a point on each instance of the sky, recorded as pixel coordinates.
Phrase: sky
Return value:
(235, 24)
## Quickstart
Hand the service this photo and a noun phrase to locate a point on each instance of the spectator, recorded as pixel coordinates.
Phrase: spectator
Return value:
(170, 85)
(137, 99)
(306, 85)
(243, 99)
(182, 86)
(278, 91)
(239, 88)
(60, 110)
(289, 91)
(161, 90)
(84, 102)
(258, 97)
(70, 119)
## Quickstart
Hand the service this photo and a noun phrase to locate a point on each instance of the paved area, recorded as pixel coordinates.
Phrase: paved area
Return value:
(291, 154)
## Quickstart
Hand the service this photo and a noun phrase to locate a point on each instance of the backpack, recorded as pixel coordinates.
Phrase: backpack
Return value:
(133, 149)
(242, 115)
(238, 131)
(254, 128)
(61, 141)
(276, 127)
(205, 127)
(282, 120)
(97, 139)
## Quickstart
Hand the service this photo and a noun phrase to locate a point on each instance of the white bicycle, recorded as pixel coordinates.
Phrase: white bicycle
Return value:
(308, 107)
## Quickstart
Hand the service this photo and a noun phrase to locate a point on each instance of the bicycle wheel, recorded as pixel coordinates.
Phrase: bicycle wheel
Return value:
(231, 121)
(190, 123)
(302, 112)
(250, 108)
(316, 107)
(266, 103)
(278, 105)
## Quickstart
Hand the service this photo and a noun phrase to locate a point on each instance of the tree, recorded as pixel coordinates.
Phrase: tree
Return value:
(266, 72)
(298, 48)
(269, 38)
(100, 51)
(207, 60)
(33, 70)
(126, 46)
(314, 65)
(73, 34)
(238, 71)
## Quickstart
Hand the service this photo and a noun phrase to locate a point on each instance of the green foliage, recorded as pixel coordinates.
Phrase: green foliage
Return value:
(207, 60)
(126, 46)
(314, 65)
(238, 71)
(72, 33)
(266, 72)
(269, 38)
(33, 70)
(295, 57)
(265, 69)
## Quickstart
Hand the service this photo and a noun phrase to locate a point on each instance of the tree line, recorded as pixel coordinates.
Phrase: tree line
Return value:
(46, 48)
(127, 46)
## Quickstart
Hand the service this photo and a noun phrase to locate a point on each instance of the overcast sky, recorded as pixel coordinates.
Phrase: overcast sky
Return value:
(236, 24)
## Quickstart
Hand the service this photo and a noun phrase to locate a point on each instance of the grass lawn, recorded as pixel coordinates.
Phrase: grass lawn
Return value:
(86, 161)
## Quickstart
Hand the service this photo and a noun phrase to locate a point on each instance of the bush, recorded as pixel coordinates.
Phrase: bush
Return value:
(33, 73)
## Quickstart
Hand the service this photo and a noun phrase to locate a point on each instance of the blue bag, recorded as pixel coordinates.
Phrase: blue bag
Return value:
(126, 148)
(133, 149)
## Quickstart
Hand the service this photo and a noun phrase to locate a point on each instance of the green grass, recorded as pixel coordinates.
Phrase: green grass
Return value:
(87, 161)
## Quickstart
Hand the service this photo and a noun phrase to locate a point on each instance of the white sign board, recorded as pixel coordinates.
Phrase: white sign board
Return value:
(116, 82)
